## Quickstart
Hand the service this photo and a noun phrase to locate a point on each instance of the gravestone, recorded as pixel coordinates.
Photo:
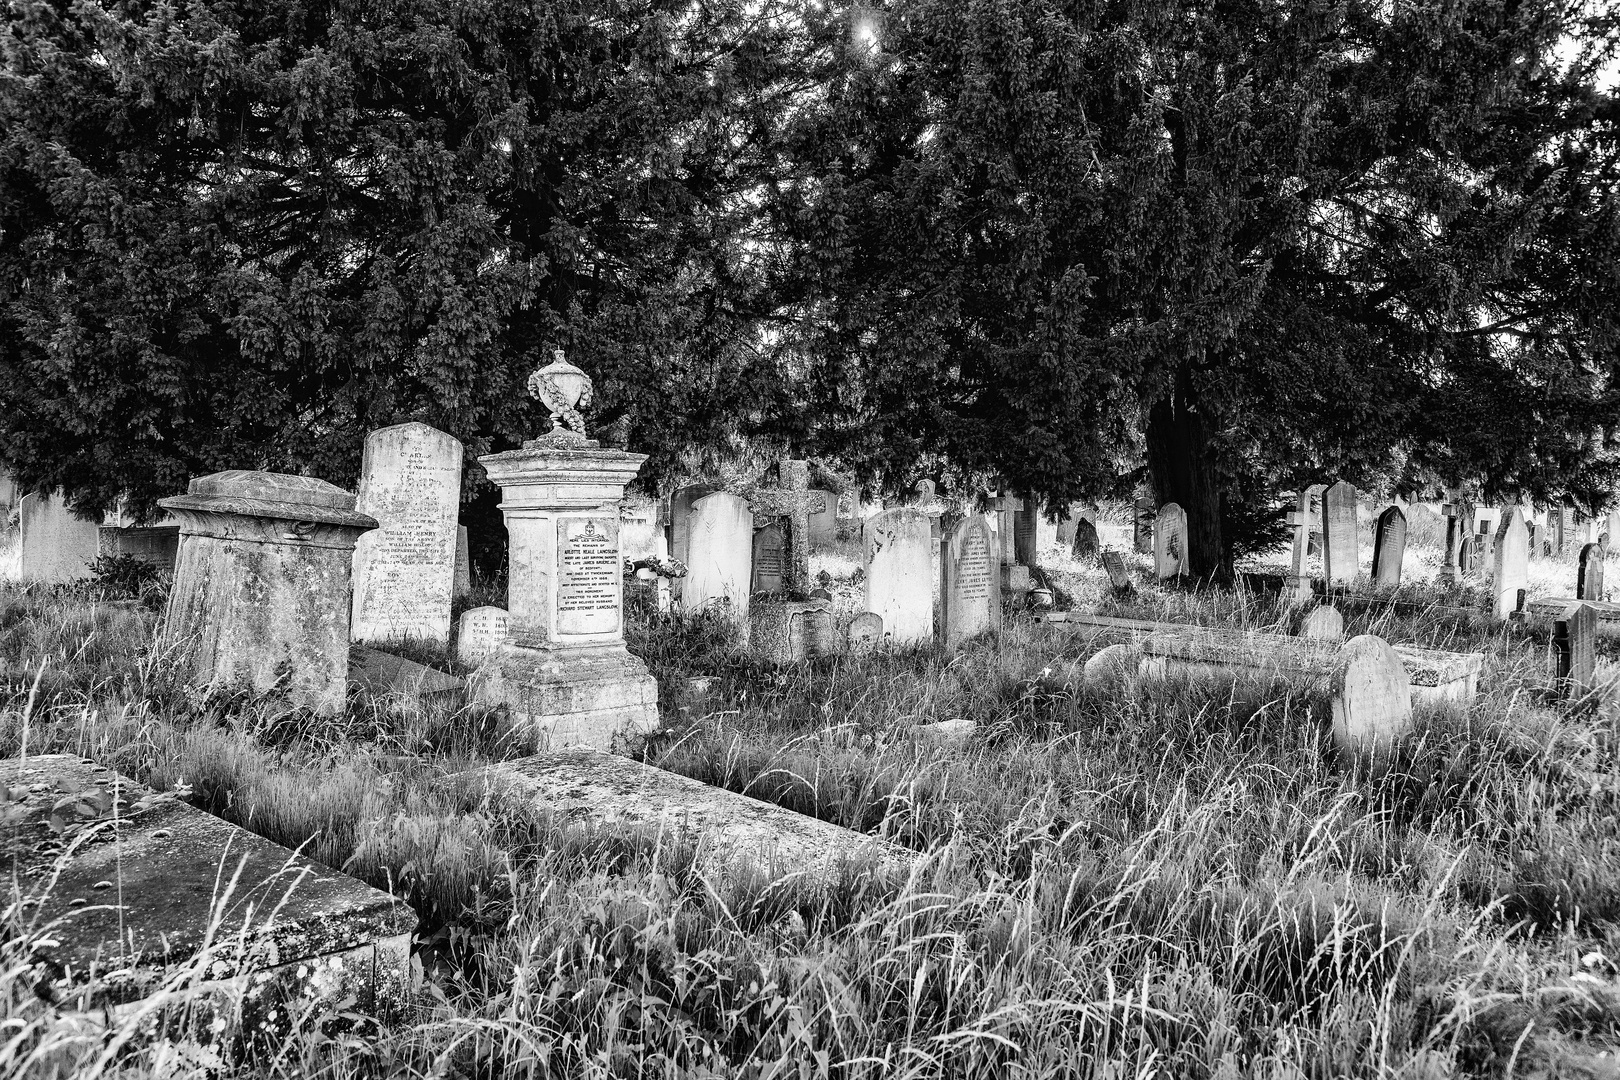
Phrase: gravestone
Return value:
(1451, 569)
(1512, 563)
(1086, 544)
(769, 558)
(1589, 572)
(1297, 587)
(150, 906)
(1117, 574)
(155, 542)
(404, 571)
(865, 632)
(1143, 515)
(1067, 525)
(1170, 542)
(1014, 576)
(260, 595)
(1323, 624)
(1468, 555)
(899, 577)
(1026, 531)
(970, 595)
(1372, 699)
(680, 528)
(1340, 557)
(824, 522)
(462, 583)
(1314, 537)
(789, 631)
(720, 557)
(1389, 547)
(53, 545)
(480, 633)
(1113, 666)
(791, 503)
(1575, 633)
(403, 683)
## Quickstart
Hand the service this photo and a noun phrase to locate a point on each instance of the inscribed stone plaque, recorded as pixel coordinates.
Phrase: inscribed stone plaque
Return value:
(899, 575)
(1143, 512)
(1589, 572)
(1340, 556)
(969, 595)
(480, 632)
(404, 571)
(720, 554)
(1085, 543)
(1170, 542)
(590, 575)
(54, 545)
(824, 522)
(1389, 547)
(769, 553)
(1512, 562)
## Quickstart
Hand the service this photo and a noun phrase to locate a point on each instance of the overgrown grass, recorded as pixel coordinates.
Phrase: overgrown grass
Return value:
(1172, 879)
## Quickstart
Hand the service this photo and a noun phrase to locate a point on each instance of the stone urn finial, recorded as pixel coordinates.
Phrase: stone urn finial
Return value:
(564, 389)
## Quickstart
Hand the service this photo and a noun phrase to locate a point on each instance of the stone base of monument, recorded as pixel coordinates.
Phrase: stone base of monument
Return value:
(574, 696)
(146, 910)
(790, 631)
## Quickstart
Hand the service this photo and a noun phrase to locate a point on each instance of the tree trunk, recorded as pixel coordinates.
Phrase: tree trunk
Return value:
(1183, 472)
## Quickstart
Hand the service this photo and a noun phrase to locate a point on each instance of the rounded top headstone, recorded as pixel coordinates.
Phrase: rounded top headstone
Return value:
(1372, 706)
(272, 487)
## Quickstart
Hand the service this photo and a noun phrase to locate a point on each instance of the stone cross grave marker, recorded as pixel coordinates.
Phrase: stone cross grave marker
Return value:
(793, 502)
(1298, 585)
(1389, 546)
(404, 572)
(1575, 649)
(899, 575)
(721, 540)
(480, 632)
(865, 632)
(1589, 572)
(1512, 563)
(1372, 698)
(1170, 542)
(770, 558)
(1452, 568)
(970, 593)
(1143, 513)
(1014, 575)
(1340, 557)
(54, 546)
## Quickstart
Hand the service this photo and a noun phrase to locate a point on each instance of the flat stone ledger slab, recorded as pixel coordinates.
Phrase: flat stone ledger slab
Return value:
(404, 573)
(137, 902)
(730, 833)
(564, 666)
(261, 587)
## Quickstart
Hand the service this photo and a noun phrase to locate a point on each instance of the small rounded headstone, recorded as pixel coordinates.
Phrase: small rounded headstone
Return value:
(1323, 624)
(865, 632)
(1372, 698)
(1113, 667)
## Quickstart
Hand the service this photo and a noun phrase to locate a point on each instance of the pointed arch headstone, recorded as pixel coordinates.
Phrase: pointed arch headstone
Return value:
(1511, 562)
(1170, 542)
(1389, 546)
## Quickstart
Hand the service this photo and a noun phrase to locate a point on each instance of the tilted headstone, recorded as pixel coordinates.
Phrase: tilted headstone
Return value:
(1117, 574)
(1372, 698)
(1340, 555)
(404, 572)
(1589, 572)
(970, 594)
(1389, 546)
(770, 557)
(792, 502)
(1143, 514)
(865, 632)
(480, 633)
(824, 522)
(1323, 624)
(1170, 542)
(53, 545)
(260, 596)
(1086, 544)
(899, 575)
(1575, 649)
(721, 550)
(462, 584)
(1512, 563)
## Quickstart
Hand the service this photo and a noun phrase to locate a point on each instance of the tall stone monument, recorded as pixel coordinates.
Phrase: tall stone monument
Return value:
(1512, 563)
(261, 588)
(404, 572)
(970, 593)
(1340, 542)
(1297, 588)
(564, 666)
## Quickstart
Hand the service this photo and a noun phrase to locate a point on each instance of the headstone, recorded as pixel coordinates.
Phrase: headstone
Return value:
(793, 503)
(789, 631)
(158, 546)
(1086, 544)
(1389, 546)
(172, 893)
(1589, 572)
(1575, 634)
(770, 550)
(1323, 624)
(1117, 574)
(1563, 528)
(1026, 522)
(899, 578)
(680, 528)
(1314, 531)
(480, 633)
(1297, 588)
(1512, 563)
(462, 584)
(404, 572)
(1113, 666)
(1046, 533)
(260, 595)
(1340, 557)
(720, 560)
(1143, 515)
(1014, 576)
(865, 632)
(970, 594)
(1170, 542)
(54, 546)
(824, 522)
(1372, 698)
(1451, 570)
(1067, 526)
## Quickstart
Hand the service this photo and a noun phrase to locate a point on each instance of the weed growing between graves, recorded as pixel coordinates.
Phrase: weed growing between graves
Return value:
(1175, 879)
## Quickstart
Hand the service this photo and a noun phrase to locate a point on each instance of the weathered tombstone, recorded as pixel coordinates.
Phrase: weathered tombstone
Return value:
(1452, 569)
(824, 522)
(1389, 546)
(1067, 524)
(1314, 537)
(1026, 531)
(54, 546)
(1143, 515)
(462, 585)
(1372, 698)
(132, 909)
(480, 633)
(768, 559)
(1086, 544)
(156, 542)
(865, 632)
(789, 631)
(404, 572)
(1323, 624)
(1170, 542)
(1512, 563)
(970, 595)
(260, 596)
(564, 667)
(720, 557)
(793, 503)
(1297, 587)
(899, 578)
(1014, 575)
(680, 528)
(1117, 575)
(1589, 572)
(1575, 649)
(1340, 557)
(1563, 528)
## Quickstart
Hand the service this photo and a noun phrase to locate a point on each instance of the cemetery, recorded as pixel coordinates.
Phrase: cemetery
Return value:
(766, 541)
